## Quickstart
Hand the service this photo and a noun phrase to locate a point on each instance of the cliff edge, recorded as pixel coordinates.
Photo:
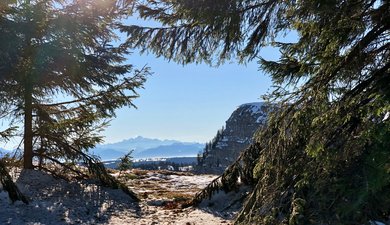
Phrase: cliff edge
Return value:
(237, 135)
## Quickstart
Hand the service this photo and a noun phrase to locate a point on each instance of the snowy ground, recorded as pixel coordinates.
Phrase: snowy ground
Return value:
(54, 201)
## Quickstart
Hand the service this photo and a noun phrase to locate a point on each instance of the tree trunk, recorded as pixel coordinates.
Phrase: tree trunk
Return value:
(28, 133)
(28, 89)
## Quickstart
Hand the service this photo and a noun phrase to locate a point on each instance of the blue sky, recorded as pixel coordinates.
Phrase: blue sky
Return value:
(187, 103)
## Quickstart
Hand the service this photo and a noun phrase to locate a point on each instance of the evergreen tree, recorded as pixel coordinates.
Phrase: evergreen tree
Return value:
(324, 156)
(210, 147)
(125, 162)
(63, 73)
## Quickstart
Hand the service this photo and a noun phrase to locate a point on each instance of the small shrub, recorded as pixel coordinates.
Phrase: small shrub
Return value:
(126, 162)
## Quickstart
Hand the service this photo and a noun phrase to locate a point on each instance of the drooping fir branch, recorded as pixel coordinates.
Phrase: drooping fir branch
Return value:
(114, 92)
(66, 137)
(95, 167)
(6, 134)
(237, 174)
(204, 31)
(5, 179)
(9, 185)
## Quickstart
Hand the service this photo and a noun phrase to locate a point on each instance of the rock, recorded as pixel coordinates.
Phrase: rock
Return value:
(237, 135)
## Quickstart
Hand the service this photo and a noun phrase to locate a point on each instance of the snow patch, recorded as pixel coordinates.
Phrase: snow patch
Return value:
(254, 107)
(55, 201)
(225, 205)
(261, 119)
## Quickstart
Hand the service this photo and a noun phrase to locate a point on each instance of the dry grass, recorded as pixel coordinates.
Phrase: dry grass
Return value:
(139, 173)
(158, 185)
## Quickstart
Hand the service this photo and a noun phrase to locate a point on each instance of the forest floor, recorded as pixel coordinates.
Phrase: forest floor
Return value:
(162, 194)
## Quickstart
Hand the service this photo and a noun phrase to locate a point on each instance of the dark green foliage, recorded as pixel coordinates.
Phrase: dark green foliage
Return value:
(210, 147)
(63, 73)
(69, 50)
(336, 187)
(161, 165)
(126, 162)
(239, 173)
(203, 31)
(324, 156)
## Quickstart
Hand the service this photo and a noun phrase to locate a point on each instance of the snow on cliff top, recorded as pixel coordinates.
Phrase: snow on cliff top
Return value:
(253, 106)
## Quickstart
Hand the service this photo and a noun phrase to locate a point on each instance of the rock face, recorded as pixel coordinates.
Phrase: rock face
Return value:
(235, 137)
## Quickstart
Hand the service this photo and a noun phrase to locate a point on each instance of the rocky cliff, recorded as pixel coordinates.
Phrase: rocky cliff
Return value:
(231, 140)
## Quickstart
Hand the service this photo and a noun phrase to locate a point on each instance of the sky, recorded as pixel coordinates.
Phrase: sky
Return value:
(187, 103)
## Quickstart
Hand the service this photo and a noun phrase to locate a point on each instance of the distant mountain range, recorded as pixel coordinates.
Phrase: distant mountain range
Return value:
(147, 148)
(138, 144)
(173, 150)
(143, 148)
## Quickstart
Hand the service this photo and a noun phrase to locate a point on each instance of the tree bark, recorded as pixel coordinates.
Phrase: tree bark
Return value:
(28, 91)
(28, 133)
